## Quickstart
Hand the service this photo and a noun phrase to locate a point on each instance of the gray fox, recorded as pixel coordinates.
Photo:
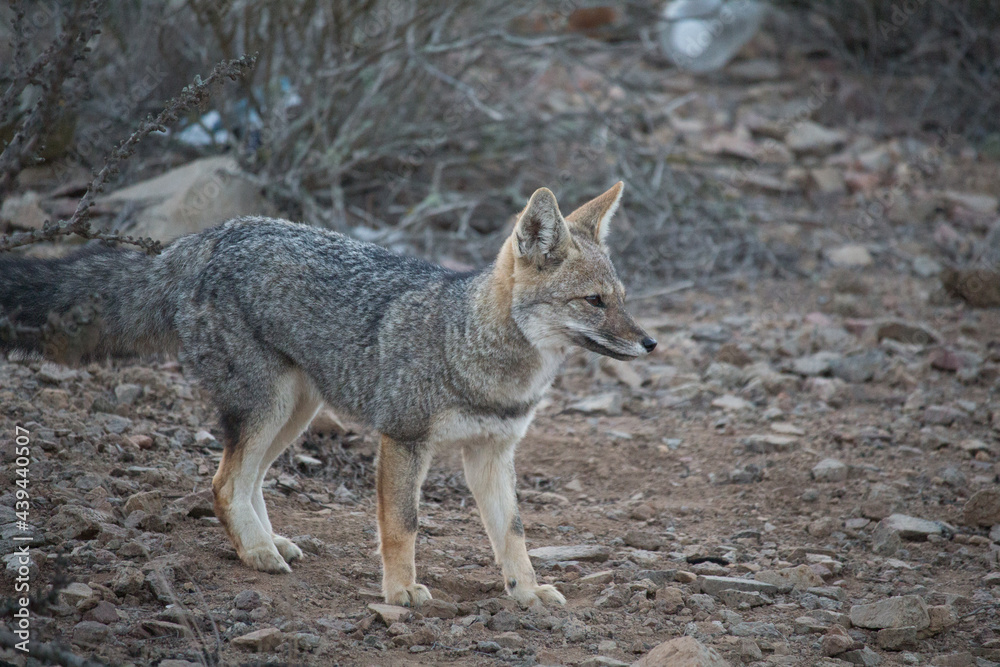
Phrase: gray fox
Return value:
(276, 318)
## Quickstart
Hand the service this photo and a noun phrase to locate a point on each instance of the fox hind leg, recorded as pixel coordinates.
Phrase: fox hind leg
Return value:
(401, 469)
(307, 404)
(253, 424)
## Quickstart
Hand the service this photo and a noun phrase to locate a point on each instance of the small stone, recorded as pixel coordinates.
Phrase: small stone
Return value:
(822, 527)
(90, 633)
(510, 640)
(259, 641)
(640, 539)
(425, 636)
(815, 364)
(743, 599)
(962, 659)
(983, 508)
(103, 612)
(942, 617)
(76, 592)
(681, 652)
(712, 585)
(701, 602)
(852, 255)
(809, 138)
(896, 639)
(858, 368)
(909, 333)
(439, 609)
(502, 621)
(942, 415)
(389, 613)
(307, 462)
(597, 578)
(150, 502)
(127, 394)
(609, 403)
(730, 402)
(799, 578)
(574, 631)
(836, 641)
(925, 266)
(749, 650)
(247, 600)
(129, 581)
(548, 556)
(670, 599)
(830, 470)
(865, 657)
(895, 612)
(907, 528)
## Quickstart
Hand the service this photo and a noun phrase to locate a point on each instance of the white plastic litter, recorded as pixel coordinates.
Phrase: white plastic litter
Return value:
(702, 35)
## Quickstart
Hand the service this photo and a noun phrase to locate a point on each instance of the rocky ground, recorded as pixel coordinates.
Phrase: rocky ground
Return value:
(804, 473)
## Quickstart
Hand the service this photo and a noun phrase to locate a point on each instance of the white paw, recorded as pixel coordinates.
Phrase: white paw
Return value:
(545, 594)
(288, 549)
(413, 595)
(266, 559)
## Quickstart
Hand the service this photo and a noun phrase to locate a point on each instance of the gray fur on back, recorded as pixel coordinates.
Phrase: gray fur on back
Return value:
(385, 338)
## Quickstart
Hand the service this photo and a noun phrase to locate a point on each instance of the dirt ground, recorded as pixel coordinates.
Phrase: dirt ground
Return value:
(780, 423)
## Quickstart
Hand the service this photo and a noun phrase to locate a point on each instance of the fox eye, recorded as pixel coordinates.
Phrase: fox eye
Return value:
(595, 300)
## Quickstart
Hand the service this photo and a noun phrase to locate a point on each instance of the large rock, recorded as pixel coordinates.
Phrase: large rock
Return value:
(191, 198)
(548, 556)
(983, 508)
(895, 612)
(681, 652)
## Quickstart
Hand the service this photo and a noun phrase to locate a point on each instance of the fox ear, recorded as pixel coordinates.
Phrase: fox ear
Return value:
(541, 235)
(593, 218)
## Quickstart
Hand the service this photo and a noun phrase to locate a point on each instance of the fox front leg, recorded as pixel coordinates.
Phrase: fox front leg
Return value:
(489, 472)
(401, 469)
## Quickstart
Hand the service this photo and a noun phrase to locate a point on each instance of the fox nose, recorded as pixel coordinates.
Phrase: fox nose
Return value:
(649, 343)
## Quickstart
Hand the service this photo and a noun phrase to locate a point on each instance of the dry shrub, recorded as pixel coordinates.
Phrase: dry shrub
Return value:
(934, 65)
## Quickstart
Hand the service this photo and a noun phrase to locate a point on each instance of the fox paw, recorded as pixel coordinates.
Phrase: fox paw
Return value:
(288, 549)
(266, 559)
(413, 595)
(545, 594)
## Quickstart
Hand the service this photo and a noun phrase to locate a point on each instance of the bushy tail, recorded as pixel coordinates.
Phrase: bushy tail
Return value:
(96, 302)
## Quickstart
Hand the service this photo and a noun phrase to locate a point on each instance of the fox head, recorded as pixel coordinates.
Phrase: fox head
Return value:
(565, 289)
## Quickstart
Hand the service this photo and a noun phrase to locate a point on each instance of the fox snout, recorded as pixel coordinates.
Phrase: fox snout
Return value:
(648, 343)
